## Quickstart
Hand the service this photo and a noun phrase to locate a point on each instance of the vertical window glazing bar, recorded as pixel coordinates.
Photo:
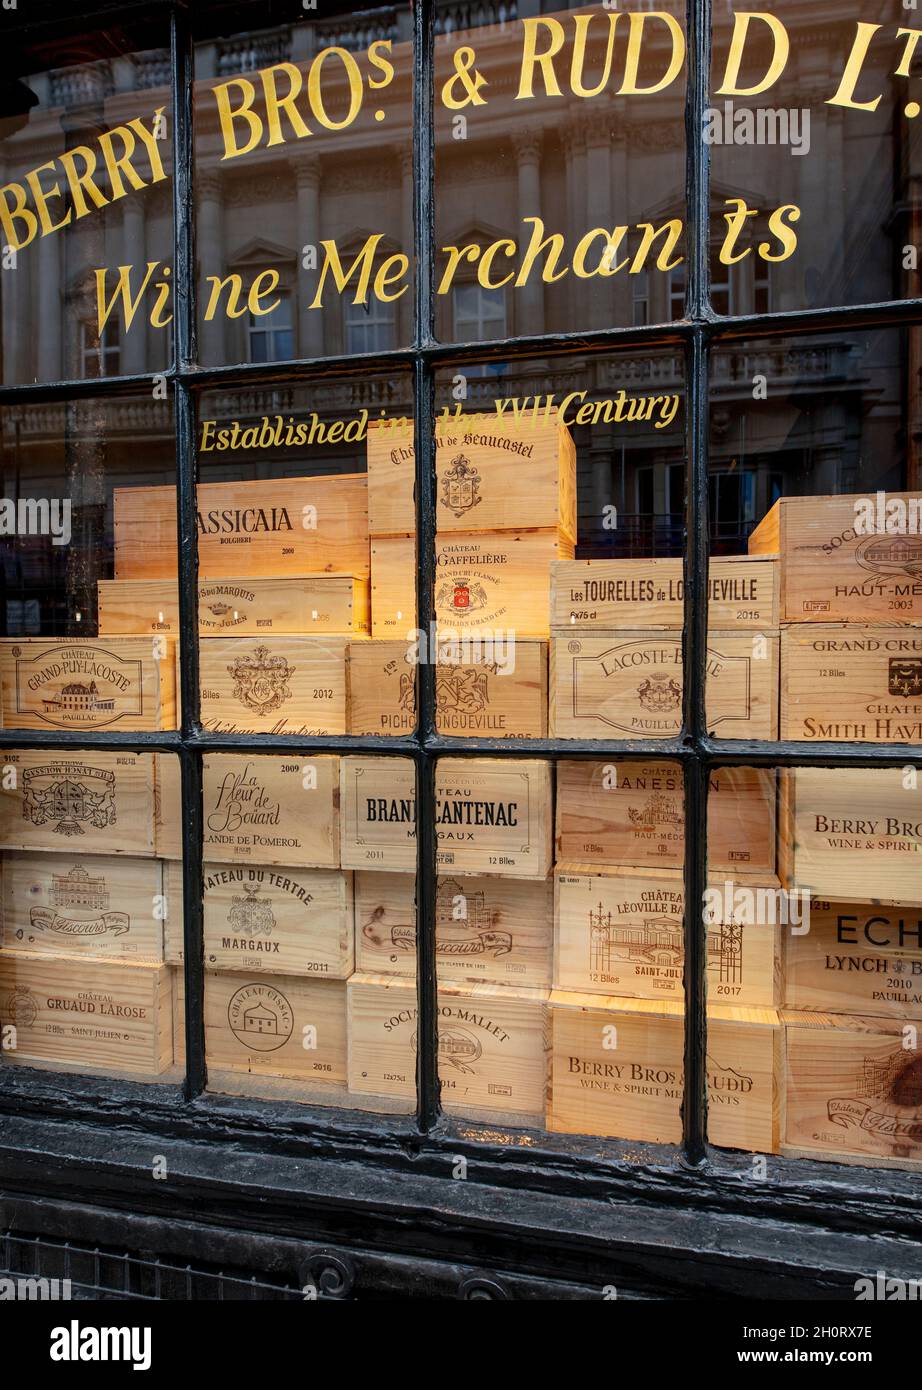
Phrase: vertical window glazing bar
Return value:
(694, 1102)
(427, 1080)
(184, 357)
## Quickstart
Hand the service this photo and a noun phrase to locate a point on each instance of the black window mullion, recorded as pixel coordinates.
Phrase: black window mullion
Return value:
(427, 1077)
(694, 1098)
(184, 351)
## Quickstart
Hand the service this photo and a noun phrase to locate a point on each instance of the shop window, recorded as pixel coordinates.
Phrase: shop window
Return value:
(352, 751)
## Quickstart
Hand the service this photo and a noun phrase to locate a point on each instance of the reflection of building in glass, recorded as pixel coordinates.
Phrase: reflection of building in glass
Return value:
(832, 410)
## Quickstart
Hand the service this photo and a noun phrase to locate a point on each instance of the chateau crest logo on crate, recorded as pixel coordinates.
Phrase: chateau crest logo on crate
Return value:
(261, 681)
(251, 915)
(905, 677)
(260, 1017)
(462, 596)
(69, 796)
(461, 486)
(21, 1007)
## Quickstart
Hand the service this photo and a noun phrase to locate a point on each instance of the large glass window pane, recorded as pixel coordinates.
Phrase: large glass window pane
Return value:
(303, 171)
(91, 910)
(814, 471)
(69, 660)
(814, 153)
(86, 223)
(560, 169)
(814, 968)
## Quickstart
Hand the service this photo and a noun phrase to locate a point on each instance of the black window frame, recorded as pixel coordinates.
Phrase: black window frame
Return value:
(862, 1198)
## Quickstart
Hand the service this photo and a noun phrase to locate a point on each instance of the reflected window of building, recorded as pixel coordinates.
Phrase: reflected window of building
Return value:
(369, 327)
(677, 292)
(479, 313)
(732, 508)
(640, 290)
(723, 285)
(762, 289)
(658, 526)
(100, 353)
(271, 339)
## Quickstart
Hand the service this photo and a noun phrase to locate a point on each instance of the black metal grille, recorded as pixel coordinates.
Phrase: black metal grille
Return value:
(44, 1270)
(693, 749)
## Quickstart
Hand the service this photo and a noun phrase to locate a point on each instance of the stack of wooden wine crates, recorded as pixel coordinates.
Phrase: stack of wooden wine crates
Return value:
(506, 511)
(82, 978)
(92, 932)
(617, 1004)
(851, 840)
(559, 910)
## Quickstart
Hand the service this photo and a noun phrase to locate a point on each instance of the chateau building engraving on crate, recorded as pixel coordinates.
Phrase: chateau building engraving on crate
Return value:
(854, 1088)
(122, 682)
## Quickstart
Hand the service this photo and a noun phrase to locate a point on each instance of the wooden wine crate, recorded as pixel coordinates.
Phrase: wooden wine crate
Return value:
(495, 473)
(381, 681)
(857, 958)
(495, 817)
(617, 1071)
(499, 580)
(119, 683)
(261, 1026)
(393, 587)
(306, 604)
(611, 595)
(88, 802)
(378, 814)
(261, 527)
(832, 570)
(621, 931)
(492, 1044)
(854, 1088)
(83, 906)
(178, 995)
(94, 1015)
(260, 810)
(485, 928)
(168, 819)
(634, 813)
(629, 685)
(850, 684)
(492, 817)
(485, 697)
(851, 834)
(280, 685)
(274, 920)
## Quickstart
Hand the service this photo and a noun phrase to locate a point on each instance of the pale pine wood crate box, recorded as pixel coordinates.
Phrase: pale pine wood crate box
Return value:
(89, 802)
(125, 684)
(634, 1076)
(831, 574)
